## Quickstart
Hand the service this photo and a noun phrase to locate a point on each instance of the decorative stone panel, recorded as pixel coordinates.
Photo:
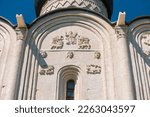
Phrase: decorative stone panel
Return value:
(70, 39)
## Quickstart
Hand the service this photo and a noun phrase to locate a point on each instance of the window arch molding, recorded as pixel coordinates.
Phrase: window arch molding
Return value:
(66, 74)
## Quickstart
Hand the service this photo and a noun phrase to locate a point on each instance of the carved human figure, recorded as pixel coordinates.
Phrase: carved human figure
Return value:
(71, 38)
(57, 42)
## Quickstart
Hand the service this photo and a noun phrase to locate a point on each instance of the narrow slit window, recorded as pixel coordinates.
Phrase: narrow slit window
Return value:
(70, 90)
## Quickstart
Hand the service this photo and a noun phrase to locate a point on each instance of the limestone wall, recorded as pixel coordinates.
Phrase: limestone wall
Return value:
(139, 43)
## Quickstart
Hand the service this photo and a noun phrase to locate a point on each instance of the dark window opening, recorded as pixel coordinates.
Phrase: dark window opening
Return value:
(70, 90)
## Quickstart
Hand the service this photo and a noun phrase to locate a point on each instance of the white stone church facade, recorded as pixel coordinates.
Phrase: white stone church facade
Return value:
(72, 51)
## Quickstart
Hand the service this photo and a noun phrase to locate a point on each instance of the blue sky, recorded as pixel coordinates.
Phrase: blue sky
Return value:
(133, 9)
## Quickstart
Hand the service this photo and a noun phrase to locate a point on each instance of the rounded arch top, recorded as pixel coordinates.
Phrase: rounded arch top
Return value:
(138, 22)
(66, 74)
(138, 27)
(7, 29)
(5, 21)
(43, 22)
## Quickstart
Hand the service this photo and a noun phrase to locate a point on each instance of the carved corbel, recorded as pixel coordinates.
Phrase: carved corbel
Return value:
(21, 29)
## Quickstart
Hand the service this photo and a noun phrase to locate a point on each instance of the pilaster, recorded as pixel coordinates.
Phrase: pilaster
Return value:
(124, 85)
(16, 61)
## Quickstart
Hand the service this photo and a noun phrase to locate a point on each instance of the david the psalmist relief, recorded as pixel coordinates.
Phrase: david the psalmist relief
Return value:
(72, 51)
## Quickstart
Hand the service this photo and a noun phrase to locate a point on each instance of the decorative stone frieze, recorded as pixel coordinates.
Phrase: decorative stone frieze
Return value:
(69, 39)
(93, 5)
(93, 69)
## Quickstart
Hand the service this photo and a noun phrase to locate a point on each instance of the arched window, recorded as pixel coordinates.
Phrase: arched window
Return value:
(70, 90)
(68, 85)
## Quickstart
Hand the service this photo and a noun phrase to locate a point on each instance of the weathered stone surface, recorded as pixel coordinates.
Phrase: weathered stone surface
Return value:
(139, 39)
(104, 61)
(92, 5)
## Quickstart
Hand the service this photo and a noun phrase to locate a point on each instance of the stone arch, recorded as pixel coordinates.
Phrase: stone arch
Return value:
(139, 37)
(8, 78)
(41, 30)
(65, 74)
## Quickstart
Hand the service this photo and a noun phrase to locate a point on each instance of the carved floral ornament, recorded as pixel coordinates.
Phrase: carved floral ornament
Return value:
(145, 39)
(70, 38)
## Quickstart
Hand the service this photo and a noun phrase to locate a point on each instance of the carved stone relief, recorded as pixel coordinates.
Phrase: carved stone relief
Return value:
(47, 71)
(21, 33)
(97, 55)
(83, 43)
(93, 69)
(43, 54)
(69, 39)
(70, 55)
(145, 38)
(57, 42)
(120, 32)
